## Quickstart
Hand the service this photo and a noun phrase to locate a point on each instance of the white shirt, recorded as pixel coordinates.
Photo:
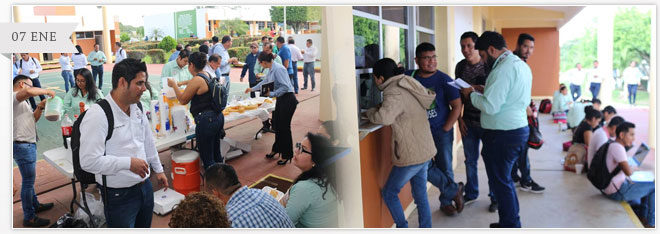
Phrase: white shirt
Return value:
(595, 75)
(211, 72)
(577, 77)
(632, 75)
(65, 63)
(131, 137)
(599, 138)
(79, 61)
(310, 54)
(25, 128)
(120, 55)
(295, 53)
(30, 64)
(220, 50)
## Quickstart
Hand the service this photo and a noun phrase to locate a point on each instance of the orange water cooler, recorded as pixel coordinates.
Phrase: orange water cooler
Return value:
(185, 171)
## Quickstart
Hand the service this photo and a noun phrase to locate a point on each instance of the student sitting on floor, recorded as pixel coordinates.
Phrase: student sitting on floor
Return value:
(576, 113)
(560, 104)
(601, 135)
(608, 113)
(584, 131)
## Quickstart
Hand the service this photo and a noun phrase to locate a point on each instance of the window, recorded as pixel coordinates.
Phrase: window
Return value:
(270, 25)
(261, 24)
(210, 26)
(89, 34)
(394, 44)
(424, 37)
(395, 13)
(367, 41)
(98, 33)
(368, 9)
(80, 35)
(424, 16)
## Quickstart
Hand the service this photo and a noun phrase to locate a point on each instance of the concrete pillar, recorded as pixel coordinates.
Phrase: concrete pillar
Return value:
(652, 83)
(477, 18)
(339, 102)
(74, 39)
(391, 40)
(107, 48)
(605, 50)
(17, 14)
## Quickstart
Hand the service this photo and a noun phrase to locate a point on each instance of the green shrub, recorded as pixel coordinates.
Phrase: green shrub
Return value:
(167, 44)
(123, 37)
(157, 56)
(239, 52)
(194, 42)
(140, 45)
(136, 54)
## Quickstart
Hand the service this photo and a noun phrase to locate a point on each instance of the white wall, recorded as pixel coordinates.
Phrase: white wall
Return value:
(163, 21)
(462, 23)
(301, 42)
(202, 24)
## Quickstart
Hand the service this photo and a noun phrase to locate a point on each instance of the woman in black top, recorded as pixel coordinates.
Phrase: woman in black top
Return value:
(209, 121)
(584, 131)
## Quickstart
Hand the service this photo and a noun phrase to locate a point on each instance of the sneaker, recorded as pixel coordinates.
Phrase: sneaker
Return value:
(36, 222)
(494, 225)
(532, 187)
(467, 201)
(44, 207)
(492, 208)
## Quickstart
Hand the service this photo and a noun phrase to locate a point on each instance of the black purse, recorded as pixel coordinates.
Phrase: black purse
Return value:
(535, 140)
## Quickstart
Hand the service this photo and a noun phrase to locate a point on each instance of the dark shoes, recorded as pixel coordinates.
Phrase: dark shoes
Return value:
(36, 222)
(457, 207)
(494, 225)
(531, 187)
(492, 208)
(449, 210)
(44, 207)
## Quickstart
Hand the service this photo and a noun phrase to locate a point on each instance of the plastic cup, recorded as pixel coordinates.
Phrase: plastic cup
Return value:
(578, 168)
(257, 93)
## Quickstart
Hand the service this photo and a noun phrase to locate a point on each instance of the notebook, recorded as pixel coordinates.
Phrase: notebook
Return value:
(642, 176)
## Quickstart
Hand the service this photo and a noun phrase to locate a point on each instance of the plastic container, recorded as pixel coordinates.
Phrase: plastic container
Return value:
(54, 109)
(67, 128)
(179, 125)
(165, 200)
(185, 171)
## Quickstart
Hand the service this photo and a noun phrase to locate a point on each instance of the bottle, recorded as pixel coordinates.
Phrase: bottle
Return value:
(82, 107)
(67, 128)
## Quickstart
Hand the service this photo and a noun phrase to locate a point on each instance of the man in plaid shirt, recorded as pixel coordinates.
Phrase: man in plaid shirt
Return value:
(246, 207)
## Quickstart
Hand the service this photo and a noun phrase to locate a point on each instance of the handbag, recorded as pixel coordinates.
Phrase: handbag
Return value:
(535, 140)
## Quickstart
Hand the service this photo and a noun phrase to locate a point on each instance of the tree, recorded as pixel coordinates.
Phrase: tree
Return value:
(140, 32)
(296, 16)
(365, 33)
(233, 27)
(124, 37)
(156, 33)
(579, 50)
(632, 38)
(167, 44)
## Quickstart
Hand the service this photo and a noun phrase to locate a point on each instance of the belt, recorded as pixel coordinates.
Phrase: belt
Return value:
(308, 62)
(23, 142)
(134, 186)
(225, 74)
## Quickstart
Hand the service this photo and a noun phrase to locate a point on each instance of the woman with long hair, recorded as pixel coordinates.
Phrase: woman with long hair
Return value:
(312, 200)
(284, 107)
(84, 92)
(209, 121)
(79, 61)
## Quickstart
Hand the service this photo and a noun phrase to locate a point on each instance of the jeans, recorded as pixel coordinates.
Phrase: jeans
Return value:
(36, 83)
(522, 164)
(501, 149)
(130, 207)
(308, 70)
(208, 132)
(471, 150)
(576, 91)
(67, 75)
(634, 191)
(444, 144)
(98, 70)
(632, 93)
(294, 78)
(398, 177)
(294, 82)
(595, 89)
(25, 156)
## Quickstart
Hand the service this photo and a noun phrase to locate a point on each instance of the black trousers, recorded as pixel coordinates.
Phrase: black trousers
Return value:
(284, 109)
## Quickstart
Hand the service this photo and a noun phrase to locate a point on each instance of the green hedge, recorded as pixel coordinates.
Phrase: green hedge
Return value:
(136, 54)
(194, 42)
(155, 56)
(140, 45)
(239, 52)
(167, 44)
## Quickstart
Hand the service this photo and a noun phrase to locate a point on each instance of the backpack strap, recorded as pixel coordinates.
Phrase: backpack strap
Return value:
(105, 105)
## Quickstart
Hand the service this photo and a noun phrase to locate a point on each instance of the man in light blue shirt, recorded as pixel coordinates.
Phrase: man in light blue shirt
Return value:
(97, 58)
(174, 55)
(503, 106)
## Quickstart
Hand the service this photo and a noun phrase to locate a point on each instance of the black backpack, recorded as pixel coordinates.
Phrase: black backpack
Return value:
(597, 172)
(218, 92)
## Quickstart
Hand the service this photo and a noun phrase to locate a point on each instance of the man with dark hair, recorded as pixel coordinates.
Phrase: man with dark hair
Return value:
(246, 207)
(96, 59)
(503, 103)
(127, 158)
(264, 41)
(472, 70)
(261, 72)
(608, 113)
(25, 147)
(287, 60)
(177, 69)
(248, 67)
(221, 49)
(204, 49)
(601, 136)
(120, 54)
(309, 57)
(174, 55)
(188, 47)
(31, 68)
(621, 188)
(524, 49)
(441, 118)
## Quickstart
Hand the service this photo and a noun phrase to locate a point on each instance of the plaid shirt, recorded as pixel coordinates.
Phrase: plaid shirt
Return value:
(253, 208)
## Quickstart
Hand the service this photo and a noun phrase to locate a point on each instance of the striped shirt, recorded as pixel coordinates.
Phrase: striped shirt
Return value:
(253, 208)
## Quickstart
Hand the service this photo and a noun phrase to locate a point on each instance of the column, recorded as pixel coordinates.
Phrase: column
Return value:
(605, 51)
(107, 47)
(652, 83)
(339, 102)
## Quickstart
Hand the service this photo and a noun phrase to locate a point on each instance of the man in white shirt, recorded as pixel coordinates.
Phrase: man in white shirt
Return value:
(25, 147)
(67, 71)
(31, 67)
(120, 54)
(595, 76)
(577, 78)
(601, 135)
(212, 66)
(296, 56)
(309, 57)
(127, 157)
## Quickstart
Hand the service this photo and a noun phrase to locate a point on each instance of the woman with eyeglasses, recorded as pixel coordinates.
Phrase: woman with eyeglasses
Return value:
(284, 107)
(84, 91)
(312, 200)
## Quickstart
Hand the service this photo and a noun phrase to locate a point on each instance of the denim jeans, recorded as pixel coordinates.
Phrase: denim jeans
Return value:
(522, 164)
(25, 156)
(308, 71)
(398, 177)
(501, 149)
(634, 191)
(129, 207)
(595, 89)
(36, 83)
(294, 77)
(294, 82)
(576, 91)
(67, 75)
(208, 132)
(632, 93)
(444, 142)
(471, 150)
(98, 70)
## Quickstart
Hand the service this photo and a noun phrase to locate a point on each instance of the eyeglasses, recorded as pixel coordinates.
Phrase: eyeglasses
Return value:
(429, 57)
(80, 81)
(29, 85)
(302, 149)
